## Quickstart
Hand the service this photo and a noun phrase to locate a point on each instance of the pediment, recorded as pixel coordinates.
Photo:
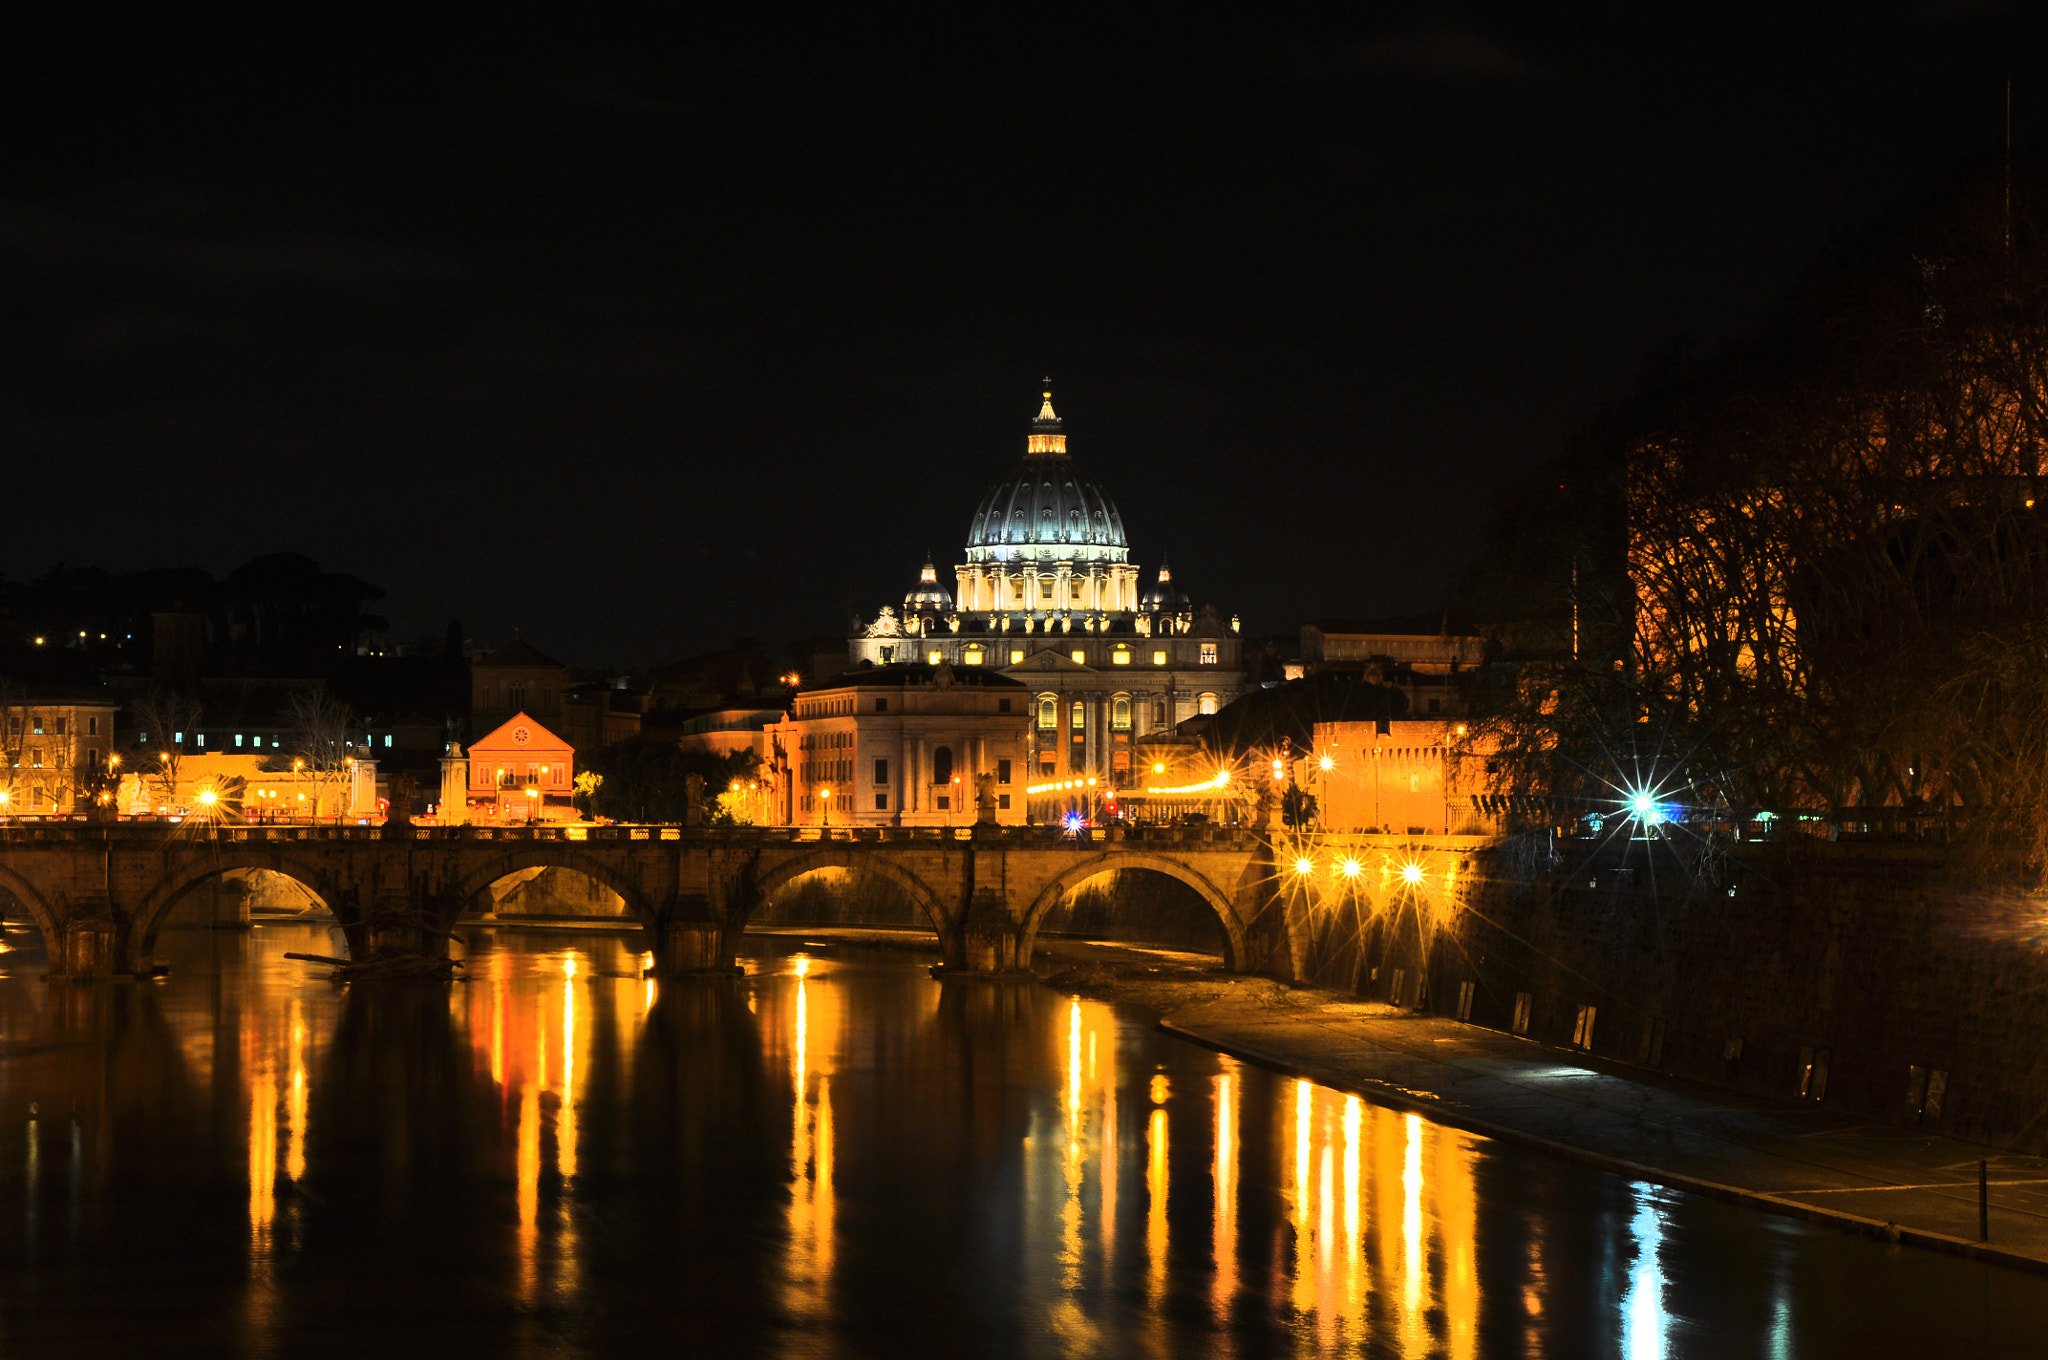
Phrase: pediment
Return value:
(1045, 661)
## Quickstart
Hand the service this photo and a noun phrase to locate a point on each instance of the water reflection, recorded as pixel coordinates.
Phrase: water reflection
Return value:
(835, 1155)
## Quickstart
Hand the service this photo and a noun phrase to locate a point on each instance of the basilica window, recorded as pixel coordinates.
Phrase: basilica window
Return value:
(1120, 715)
(1208, 654)
(1080, 656)
(1016, 656)
(942, 765)
(1205, 703)
(1159, 713)
(1048, 712)
(935, 656)
(972, 656)
(1077, 590)
(1120, 657)
(1159, 658)
(1080, 716)
(1045, 590)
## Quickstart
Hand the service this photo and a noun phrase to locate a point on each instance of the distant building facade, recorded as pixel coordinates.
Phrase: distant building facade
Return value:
(56, 751)
(1049, 597)
(515, 679)
(1430, 666)
(902, 746)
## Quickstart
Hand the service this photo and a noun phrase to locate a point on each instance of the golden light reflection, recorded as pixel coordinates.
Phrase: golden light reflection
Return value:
(1354, 1168)
(295, 1098)
(813, 1203)
(1223, 1287)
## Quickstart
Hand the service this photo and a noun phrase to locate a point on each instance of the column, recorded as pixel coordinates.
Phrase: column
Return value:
(918, 797)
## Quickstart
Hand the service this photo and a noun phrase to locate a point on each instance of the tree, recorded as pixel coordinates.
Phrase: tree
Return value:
(647, 781)
(1837, 550)
(162, 718)
(323, 731)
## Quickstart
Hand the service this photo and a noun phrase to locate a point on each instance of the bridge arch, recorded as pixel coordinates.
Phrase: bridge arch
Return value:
(1111, 861)
(855, 857)
(552, 855)
(197, 869)
(45, 919)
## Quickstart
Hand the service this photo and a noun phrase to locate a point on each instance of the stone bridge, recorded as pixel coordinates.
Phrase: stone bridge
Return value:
(100, 893)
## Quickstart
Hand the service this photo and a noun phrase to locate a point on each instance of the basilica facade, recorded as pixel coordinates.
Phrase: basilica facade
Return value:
(1049, 596)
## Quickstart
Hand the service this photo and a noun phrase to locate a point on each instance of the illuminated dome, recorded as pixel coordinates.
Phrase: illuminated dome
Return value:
(1047, 509)
(1164, 595)
(929, 595)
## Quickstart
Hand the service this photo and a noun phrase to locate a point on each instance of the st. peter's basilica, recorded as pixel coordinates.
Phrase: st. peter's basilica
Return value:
(1049, 596)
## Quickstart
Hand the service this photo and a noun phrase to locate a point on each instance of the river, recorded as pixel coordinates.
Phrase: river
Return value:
(836, 1155)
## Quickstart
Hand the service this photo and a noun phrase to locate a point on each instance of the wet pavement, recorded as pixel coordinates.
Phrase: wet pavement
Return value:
(835, 1155)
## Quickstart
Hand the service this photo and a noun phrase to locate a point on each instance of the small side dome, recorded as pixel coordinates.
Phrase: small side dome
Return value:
(929, 594)
(1162, 597)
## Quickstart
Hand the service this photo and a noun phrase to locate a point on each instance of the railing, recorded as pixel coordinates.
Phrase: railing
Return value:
(288, 833)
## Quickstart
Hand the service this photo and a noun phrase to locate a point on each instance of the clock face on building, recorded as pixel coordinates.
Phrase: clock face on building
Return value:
(521, 736)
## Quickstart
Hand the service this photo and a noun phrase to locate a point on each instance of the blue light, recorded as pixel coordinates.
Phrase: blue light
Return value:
(1644, 807)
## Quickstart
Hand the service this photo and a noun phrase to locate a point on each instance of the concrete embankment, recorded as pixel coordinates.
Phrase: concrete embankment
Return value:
(1785, 1156)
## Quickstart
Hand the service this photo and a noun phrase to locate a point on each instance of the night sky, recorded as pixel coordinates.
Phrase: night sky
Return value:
(643, 335)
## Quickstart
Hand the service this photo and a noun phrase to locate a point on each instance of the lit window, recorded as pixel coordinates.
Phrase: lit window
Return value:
(1159, 658)
(1206, 704)
(1120, 657)
(177, 736)
(387, 739)
(1045, 590)
(934, 656)
(1080, 655)
(1120, 714)
(1208, 654)
(255, 741)
(1080, 715)
(1016, 656)
(202, 739)
(1048, 712)
(238, 738)
(972, 656)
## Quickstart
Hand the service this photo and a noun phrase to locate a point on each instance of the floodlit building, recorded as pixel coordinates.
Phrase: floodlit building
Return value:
(516, 769)
(1048, 596)
(902, 745)
(1392, 776)
(1429, 664)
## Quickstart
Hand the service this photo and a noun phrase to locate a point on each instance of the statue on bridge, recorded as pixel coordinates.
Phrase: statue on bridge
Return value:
(985, 798)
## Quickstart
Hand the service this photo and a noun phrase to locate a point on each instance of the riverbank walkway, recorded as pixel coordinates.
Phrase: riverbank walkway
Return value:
(1793, 1157)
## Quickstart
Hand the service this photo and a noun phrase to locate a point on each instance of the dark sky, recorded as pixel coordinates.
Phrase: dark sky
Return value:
(642, 335)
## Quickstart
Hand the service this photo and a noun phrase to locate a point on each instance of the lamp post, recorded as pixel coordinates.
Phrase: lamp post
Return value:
(827, 794)
(532, 803)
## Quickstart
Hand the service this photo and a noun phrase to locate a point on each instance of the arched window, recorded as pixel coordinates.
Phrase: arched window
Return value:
(1048, 712)
(1159, 713)
(942, 765)
(1080, 715)
(1120, 714)
(1205, 704)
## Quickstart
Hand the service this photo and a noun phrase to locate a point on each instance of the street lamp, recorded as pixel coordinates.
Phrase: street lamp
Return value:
(532, 803)
(827, 794)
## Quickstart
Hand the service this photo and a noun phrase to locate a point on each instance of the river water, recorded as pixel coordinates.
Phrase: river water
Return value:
(836, 1155)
